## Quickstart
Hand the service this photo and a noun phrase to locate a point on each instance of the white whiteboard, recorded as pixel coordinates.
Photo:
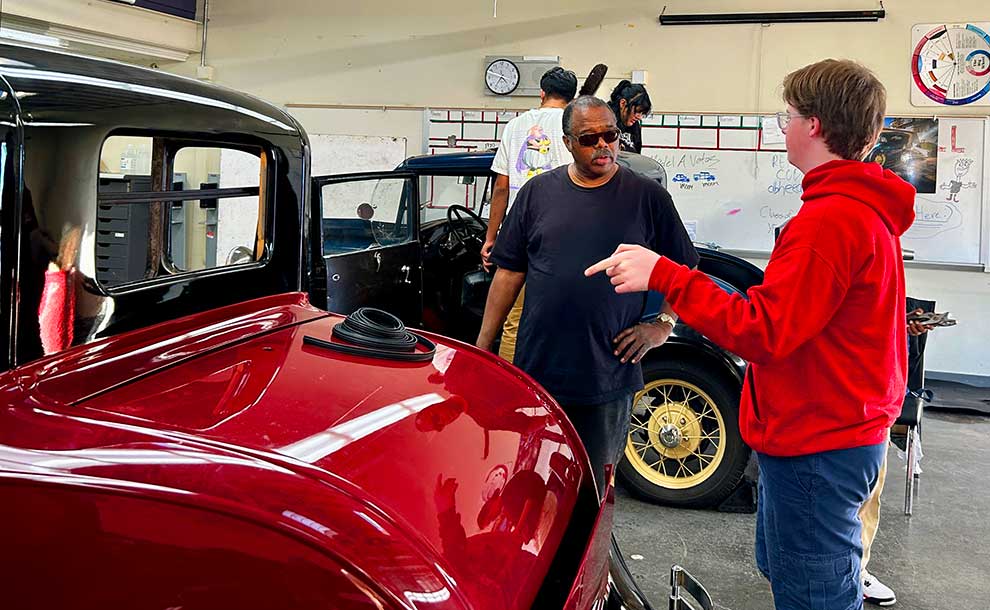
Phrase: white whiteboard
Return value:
(948, 227)
(736, 195)
(732, 198)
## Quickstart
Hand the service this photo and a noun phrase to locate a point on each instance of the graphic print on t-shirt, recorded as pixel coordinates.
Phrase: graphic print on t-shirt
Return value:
(531, 144)
(534, 156)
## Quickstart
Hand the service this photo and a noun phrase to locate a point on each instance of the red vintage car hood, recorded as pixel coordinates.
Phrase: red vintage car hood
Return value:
(463, 457)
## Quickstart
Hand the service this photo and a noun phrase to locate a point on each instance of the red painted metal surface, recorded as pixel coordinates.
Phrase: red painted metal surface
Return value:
(592, 577)
(217, 453)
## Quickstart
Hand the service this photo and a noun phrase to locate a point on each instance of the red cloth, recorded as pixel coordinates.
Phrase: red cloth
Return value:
(56, 312)
(824, 333)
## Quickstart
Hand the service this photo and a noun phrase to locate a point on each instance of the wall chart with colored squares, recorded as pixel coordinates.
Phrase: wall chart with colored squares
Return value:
(732, 185)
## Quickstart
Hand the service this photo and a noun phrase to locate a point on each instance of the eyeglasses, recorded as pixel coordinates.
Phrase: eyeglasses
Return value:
(591, 139)
(784, 119)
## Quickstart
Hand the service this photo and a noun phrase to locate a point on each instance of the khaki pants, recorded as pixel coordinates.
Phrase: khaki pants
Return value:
(507, 349)
(869, 514)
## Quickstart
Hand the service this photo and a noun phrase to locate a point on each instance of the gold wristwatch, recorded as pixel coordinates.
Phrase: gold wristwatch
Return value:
(666, 318)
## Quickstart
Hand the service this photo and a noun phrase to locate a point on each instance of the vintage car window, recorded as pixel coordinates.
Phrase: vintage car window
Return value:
(366, 214)
(211, 217)
(211, 232)
(123, 231)
(440, 192)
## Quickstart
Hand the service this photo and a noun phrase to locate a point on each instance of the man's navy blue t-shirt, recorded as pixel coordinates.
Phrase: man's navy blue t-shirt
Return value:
(554, 231)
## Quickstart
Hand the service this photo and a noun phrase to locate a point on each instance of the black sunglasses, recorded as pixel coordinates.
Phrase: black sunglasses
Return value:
(591, 139)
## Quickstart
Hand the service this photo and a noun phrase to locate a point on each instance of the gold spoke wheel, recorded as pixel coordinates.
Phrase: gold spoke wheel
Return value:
(676, 434)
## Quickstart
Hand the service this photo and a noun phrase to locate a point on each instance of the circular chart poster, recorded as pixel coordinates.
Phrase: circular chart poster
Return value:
(950, 65)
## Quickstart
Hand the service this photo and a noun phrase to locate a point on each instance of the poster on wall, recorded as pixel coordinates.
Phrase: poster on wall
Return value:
(909, 148)
(950, 64)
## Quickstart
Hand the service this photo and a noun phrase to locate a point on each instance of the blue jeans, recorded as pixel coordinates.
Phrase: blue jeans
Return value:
(808, 533)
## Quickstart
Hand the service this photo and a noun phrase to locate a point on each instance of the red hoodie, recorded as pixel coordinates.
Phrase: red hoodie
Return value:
(825, 333)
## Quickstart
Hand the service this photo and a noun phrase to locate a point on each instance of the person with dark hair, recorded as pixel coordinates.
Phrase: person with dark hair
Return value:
(581, 341)
(630, 103)
(824, 335)
(531, 143)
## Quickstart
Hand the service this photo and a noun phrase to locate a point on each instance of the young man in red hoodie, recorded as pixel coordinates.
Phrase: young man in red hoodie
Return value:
(824, 335)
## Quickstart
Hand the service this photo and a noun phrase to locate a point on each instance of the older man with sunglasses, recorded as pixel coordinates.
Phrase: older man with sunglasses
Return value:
(579, 339)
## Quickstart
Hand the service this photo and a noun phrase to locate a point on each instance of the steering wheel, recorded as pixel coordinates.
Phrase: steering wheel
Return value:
(466, 227)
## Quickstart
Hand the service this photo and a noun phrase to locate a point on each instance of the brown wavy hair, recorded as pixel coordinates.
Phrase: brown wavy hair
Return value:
(848, 99)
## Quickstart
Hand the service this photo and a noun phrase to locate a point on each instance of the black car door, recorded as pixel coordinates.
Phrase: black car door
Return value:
(370, 243)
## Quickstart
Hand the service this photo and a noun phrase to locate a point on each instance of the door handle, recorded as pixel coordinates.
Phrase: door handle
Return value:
(406, 269)
(378, 261)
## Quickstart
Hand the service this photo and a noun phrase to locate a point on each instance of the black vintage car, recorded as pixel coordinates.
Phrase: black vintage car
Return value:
(409, 241)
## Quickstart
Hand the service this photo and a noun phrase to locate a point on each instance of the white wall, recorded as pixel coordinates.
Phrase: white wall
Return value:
(430, 54)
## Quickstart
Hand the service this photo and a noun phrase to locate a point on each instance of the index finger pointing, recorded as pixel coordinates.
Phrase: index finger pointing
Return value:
(601, 265)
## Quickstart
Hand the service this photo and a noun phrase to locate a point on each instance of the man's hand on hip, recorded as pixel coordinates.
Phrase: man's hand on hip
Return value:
(633, 343)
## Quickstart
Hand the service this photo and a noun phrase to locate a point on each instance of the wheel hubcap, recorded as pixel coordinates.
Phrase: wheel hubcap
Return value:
(676, 434)
(675, 430)
(670, 436)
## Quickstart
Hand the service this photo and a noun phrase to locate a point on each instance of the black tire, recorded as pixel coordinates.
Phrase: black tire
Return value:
(714, 480)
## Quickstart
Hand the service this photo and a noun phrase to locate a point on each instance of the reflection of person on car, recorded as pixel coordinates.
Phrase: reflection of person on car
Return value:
(458, 376)
(513, 518)
(519, 497)
(518, 504)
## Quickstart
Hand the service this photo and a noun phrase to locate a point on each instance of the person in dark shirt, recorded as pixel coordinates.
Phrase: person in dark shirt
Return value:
(630, 103)
(579, 339)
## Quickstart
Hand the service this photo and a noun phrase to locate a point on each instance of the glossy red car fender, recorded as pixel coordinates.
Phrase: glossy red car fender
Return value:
(451, 483)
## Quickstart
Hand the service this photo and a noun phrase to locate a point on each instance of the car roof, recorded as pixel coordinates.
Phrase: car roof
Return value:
(58, 88)
(475, 161)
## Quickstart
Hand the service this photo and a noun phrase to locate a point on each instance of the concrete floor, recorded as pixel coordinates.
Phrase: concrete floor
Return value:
(937, 559)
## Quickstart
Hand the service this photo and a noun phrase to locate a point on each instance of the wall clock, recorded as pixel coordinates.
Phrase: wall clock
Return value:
(502, 76)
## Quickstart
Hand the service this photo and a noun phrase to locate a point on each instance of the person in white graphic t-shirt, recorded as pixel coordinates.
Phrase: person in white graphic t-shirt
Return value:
(532, 143)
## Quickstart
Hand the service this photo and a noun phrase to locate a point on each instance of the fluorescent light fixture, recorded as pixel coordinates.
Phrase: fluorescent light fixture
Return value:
(32, 38)
(772, 17)
(40, 33)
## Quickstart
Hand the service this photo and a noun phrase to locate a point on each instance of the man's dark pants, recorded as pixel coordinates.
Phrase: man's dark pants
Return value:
(603, 429)
(808, 533)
